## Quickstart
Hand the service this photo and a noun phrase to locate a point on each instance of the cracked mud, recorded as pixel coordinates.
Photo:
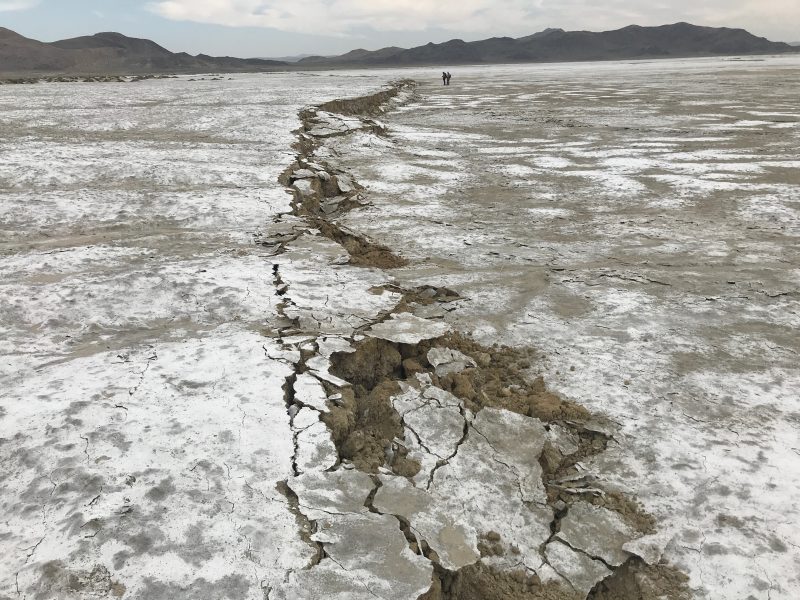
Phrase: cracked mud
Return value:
(431, 443)
(254, 398)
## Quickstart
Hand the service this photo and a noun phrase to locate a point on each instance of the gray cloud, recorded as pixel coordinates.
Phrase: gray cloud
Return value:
(475, 17)
(9, 5)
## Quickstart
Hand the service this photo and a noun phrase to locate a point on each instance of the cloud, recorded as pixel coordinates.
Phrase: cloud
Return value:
(9, 5)
(344, 16)
(498, 17)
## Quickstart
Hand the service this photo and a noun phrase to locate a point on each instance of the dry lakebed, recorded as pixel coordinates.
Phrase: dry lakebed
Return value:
(356, 335)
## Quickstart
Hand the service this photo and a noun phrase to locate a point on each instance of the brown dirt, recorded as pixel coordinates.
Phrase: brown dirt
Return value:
(637, 581)
(479, 582)
(555, 466)
(502, 380)
(363, 252)
(366, 105)
(365, 425)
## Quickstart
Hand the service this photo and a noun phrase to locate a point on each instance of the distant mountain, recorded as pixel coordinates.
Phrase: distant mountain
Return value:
(114, 53)
(555, 45)
(110, 53)
(288, 59)
(794, 43)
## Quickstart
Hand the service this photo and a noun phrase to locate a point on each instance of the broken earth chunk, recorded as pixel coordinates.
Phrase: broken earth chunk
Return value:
(304, 418)
(308, 391)
(446, 361)
(305, 187)
(581, 571)
(598, 532)
(434, 428)
(367, 557)
(303, 174)
(455, 543)
(650, 548)
(320, 367)
(315, 449)
(405, 328)
(345, 184)
(321, 494)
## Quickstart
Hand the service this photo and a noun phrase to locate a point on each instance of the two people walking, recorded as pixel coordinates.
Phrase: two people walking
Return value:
(446, 78)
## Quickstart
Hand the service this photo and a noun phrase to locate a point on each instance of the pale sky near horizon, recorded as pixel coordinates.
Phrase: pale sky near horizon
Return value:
(288, 27)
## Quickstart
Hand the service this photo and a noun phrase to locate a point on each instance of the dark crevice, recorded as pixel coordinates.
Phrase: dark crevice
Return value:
(307, 527)
(289, 399)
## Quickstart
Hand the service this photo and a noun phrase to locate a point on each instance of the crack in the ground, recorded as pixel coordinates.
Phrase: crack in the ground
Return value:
(150, 360)
(307, 526)
(320, 193)
(446, 461)
(289, 395)
(585, 553)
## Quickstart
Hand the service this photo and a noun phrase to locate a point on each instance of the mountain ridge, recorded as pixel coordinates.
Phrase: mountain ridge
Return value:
(558, 45)
(112, 52)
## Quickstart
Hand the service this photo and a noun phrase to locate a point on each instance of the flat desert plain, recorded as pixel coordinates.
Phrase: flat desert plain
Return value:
(529, 336)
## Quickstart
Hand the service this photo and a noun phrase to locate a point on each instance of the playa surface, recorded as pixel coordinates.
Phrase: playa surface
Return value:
(214, 388)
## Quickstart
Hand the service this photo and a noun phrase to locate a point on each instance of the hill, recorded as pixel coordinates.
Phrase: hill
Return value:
(555, 45)
(110, 53)
(114, 53)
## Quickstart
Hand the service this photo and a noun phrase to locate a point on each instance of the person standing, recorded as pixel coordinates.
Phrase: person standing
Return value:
(448, 78)
(444, 78)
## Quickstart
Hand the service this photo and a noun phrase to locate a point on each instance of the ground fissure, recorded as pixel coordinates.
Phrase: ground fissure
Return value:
(364, 380)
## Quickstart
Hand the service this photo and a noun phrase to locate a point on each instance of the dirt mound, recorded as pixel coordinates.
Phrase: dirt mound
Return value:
(363, 252)
(479, 582)
(365, 105)
(365, 424)
(637, 581)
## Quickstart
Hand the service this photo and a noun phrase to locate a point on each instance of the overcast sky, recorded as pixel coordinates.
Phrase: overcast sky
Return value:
(287, 27)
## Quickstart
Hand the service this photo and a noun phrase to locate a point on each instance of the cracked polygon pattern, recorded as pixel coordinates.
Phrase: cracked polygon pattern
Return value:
(434, 426)
(581, 571)
(367, 558)
(491, 483)
(367, 554)
(166, 462)
(597, 531)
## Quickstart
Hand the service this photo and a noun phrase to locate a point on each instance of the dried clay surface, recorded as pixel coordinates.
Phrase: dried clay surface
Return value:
(639, 225)
(213, 388)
